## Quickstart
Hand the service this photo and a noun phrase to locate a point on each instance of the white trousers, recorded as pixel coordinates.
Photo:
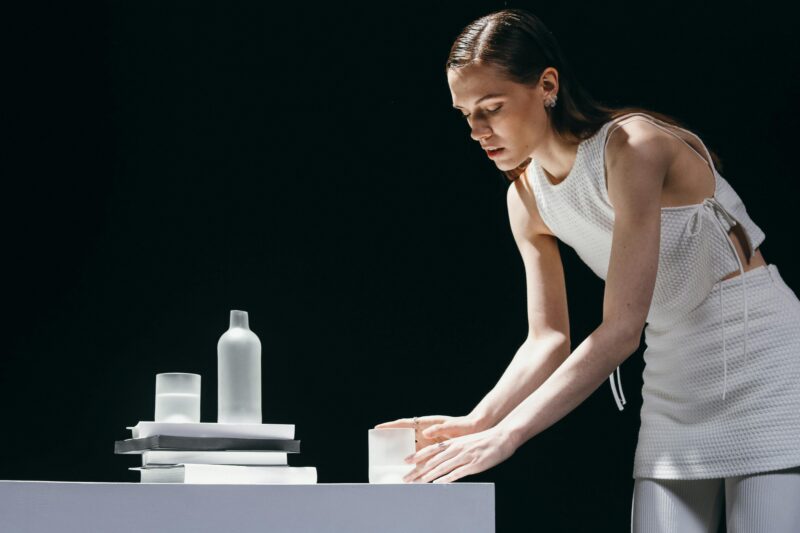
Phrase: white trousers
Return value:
(755, 503)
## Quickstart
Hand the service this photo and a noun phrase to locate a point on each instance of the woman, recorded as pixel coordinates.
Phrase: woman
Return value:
(641, 201)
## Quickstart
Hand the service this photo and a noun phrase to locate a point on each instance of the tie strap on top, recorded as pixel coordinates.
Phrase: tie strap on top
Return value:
(723, 221)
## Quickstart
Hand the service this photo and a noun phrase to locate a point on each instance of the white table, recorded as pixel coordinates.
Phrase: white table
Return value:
(66, 507)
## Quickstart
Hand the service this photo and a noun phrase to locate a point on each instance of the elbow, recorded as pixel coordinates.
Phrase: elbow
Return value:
(561, 347)
(556, 343)
(624, 335)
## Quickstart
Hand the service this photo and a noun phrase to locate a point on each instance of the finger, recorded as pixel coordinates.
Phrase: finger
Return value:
(446, 429)
(426, 452)
(458, 473)
(432, 431)
(399, 423)
(423, 468)
(444, 468)
(431, 419)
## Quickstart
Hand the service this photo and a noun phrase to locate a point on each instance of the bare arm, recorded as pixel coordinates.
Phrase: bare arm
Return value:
(635, 179)
(547, 344)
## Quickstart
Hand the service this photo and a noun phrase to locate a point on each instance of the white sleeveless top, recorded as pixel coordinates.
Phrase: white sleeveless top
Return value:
(695, 250)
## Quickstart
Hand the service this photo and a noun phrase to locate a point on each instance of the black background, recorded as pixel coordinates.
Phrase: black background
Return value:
(167, 162)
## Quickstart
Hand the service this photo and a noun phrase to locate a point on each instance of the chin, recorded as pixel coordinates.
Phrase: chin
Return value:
(508, 164)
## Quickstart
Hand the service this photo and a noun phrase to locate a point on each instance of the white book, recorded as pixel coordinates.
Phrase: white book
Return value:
(169, 457)
(211, 429)
(229, 474)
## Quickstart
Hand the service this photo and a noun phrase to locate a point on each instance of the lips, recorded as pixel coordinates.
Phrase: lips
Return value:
(494, 152)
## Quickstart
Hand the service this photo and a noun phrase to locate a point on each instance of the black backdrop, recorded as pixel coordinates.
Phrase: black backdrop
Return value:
(167, 162)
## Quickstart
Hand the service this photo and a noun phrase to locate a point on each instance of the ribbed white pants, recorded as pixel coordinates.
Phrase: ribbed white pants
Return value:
(756, 503)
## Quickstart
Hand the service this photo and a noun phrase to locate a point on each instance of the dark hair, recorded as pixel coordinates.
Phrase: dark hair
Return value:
(521, 46)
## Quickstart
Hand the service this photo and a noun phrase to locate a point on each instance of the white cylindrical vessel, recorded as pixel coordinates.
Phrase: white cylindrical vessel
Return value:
(177, 397)
(387, 450)
(239, 373)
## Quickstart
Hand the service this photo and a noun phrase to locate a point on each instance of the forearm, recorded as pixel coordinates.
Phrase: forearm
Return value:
(533, 363)
(570, 384)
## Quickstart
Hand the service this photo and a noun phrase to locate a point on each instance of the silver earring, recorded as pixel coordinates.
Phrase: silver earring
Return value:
(551, 102)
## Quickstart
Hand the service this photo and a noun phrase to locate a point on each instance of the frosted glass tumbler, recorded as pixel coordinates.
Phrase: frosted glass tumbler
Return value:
(177, 397)
(387, 449)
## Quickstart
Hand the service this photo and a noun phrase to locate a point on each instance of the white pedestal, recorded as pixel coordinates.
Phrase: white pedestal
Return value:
(66, 507)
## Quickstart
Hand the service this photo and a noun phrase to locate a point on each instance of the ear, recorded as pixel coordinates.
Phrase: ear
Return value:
(548, 82)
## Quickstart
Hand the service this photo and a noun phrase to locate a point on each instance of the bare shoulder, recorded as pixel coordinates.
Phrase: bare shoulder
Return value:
(638, 141)
(638, 157)
(523, 214)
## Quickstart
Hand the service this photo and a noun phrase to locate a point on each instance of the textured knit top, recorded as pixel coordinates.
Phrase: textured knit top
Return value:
(695, 250)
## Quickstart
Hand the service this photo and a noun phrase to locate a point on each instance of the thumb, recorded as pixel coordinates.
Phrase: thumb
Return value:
(448, 428)
(432, 431)
(443, 429)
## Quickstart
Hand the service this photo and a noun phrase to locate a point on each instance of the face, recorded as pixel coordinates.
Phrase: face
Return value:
(501, 113)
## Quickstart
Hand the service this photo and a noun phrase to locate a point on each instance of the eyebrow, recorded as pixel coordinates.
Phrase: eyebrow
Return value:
(482, 98)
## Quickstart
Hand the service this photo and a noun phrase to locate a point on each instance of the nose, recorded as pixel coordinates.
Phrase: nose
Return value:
(480, 130)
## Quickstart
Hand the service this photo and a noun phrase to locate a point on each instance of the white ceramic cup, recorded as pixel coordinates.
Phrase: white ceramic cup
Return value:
(177, 397)
(387, 449)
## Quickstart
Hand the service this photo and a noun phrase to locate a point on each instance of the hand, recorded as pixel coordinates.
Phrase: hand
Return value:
(455, 458)
(435, 428)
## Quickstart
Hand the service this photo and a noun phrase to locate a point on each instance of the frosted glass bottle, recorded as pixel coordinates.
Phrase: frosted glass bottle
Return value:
(239, 373)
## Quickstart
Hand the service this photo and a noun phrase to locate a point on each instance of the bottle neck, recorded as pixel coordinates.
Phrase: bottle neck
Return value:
(239, 319)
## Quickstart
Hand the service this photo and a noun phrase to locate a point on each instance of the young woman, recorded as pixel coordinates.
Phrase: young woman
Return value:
(641, 201)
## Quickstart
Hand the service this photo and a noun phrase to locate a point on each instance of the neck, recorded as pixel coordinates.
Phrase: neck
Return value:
(556, 155)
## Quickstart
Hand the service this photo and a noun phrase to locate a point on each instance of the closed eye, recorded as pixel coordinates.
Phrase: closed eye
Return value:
(488, 110)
